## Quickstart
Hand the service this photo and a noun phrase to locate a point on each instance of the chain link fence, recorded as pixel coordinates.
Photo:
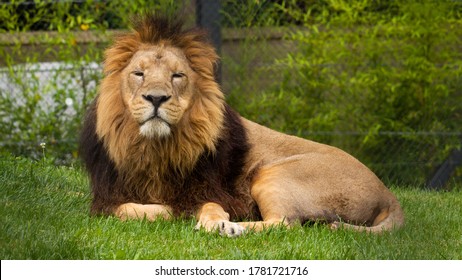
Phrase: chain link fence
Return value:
(44, 103)
(255, 44)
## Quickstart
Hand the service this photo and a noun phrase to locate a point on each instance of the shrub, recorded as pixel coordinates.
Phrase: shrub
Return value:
(388, 75)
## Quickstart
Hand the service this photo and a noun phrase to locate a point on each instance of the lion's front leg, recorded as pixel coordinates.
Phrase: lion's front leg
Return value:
(135, 211)
(211, 217)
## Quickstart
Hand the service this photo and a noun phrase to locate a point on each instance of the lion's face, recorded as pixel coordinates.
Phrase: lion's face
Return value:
(157, 89)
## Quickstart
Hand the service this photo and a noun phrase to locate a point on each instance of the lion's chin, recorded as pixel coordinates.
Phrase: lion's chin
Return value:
(155, 128)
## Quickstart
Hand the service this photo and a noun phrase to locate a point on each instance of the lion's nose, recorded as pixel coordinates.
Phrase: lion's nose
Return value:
(156, 100)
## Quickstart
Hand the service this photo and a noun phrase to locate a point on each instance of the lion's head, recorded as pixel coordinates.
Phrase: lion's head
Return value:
(159, 100)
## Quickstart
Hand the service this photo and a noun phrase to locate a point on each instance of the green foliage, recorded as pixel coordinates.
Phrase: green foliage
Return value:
(46, 106)
(386, 72)
(46, 216)
(252, 13)
(20, 15)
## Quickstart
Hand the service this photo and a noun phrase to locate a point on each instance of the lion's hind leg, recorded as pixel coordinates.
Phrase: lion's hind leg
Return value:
(280, 196)
(389, 218)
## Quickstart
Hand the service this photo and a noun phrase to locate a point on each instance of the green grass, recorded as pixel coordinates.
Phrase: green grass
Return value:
(44, 215)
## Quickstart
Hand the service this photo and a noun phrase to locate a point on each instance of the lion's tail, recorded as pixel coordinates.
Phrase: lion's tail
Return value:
(393, 219)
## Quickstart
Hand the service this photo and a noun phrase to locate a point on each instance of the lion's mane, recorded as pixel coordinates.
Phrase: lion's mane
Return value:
(199, 162)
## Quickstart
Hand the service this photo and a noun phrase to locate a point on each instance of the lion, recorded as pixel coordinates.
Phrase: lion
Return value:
(160, 141)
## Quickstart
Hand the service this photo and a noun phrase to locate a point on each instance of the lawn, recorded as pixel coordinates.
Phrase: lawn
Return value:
(44, 215)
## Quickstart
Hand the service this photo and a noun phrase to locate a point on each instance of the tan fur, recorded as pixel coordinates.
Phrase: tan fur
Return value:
(292, 180)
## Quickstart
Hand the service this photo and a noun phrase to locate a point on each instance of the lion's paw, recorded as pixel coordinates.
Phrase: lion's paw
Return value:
(225, 228)
(334, 225)
(230, 229)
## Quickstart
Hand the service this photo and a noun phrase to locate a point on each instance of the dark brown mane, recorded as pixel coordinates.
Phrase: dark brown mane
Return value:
(155, 28)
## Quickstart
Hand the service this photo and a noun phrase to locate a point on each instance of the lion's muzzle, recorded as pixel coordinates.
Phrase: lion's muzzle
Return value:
(156, 123)
(156, 100)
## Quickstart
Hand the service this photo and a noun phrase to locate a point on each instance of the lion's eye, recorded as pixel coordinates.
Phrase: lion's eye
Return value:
(177, 75)
(138, 73)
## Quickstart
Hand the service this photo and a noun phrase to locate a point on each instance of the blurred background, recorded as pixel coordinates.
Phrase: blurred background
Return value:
(380, 79)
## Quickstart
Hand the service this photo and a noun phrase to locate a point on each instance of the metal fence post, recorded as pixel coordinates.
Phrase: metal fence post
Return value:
(445, 171)
(208, 17)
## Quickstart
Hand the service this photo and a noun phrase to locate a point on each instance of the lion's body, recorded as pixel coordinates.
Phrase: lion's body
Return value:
(321, 182)
(159, 140)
